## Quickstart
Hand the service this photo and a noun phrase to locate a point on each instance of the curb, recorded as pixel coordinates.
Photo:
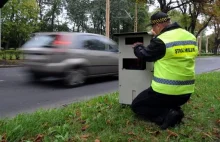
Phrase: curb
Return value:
(214, 70)
(10, 66)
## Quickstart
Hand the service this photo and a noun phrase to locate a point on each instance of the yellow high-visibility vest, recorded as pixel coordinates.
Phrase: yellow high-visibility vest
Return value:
(174, 74)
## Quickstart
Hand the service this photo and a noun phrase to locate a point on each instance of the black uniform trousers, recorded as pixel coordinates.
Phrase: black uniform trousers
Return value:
(153, 106)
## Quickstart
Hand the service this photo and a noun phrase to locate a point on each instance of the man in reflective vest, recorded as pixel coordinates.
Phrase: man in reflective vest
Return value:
(173, 51)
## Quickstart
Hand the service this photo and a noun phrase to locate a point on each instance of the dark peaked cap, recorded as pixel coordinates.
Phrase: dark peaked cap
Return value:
(158, 17)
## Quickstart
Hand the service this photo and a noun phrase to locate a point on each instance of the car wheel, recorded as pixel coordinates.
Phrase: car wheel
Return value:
(75, 77)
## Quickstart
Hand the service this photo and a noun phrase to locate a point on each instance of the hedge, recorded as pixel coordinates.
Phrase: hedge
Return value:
(11, 54)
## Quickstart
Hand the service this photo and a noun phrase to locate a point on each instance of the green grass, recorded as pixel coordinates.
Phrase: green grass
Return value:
(103, 119)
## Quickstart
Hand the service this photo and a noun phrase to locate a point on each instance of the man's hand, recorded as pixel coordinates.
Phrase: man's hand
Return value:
(137, 43)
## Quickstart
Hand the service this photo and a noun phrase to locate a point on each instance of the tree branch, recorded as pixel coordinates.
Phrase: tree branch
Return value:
(204, 26)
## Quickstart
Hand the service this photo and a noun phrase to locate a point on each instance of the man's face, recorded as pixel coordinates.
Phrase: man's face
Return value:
(156, 28)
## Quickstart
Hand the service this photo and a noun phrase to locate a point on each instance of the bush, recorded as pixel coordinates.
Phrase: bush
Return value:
(18, 54)
(3, 54)
(10, 54)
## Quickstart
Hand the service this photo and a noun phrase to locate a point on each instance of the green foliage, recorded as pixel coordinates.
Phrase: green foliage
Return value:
(121, 16)
(183, 19)
(18, 54)
(2, 54)
(19, 19)
(11, 54)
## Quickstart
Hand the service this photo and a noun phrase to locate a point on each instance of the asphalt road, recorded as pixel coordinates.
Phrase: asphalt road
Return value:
(18, 95)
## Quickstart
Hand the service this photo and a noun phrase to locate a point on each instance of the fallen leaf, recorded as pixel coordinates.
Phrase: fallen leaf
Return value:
(78, 113)
(108, 122)
(189, 101)
(135, 123)
(82, 121)
(130, 139)
(155, 133)
(79, 119)
(140, 139)
(39, 138)
(131, 133)
(97, 140)
(171, 134)
(85, 127)
(212, 109)
(206, 135)
(127, 123)
(85, 136)
(216, 132)
(198, 106)
(3, 138)
(218, 121)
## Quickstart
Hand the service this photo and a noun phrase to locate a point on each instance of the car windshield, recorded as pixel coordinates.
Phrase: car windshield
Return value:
(40, 41)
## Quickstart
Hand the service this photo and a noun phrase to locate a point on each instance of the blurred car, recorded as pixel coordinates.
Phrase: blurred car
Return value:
(72, 56)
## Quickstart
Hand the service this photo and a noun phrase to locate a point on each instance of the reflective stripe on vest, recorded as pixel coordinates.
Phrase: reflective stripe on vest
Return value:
(173, 82)
(177, 43)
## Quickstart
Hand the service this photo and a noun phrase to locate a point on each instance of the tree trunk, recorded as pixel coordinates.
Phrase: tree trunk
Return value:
(216, 46)
(52, 23)
(78, 26)
(7, 44)
(192, 25)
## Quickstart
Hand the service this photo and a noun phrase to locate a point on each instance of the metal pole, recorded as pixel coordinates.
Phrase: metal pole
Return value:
(0, 29)
(135, 21)
(107, 17)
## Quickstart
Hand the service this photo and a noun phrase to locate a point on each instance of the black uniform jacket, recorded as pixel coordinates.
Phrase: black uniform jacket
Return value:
(156, 49)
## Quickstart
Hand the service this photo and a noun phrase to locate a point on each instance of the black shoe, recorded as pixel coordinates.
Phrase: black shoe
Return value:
(157, 120)
(173, 117)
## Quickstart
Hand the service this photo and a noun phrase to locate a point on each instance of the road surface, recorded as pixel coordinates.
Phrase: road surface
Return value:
(18, 95)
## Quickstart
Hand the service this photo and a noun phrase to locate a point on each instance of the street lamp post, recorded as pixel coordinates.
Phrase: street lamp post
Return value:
(0, 29)
(136, 14)
(107, 17)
